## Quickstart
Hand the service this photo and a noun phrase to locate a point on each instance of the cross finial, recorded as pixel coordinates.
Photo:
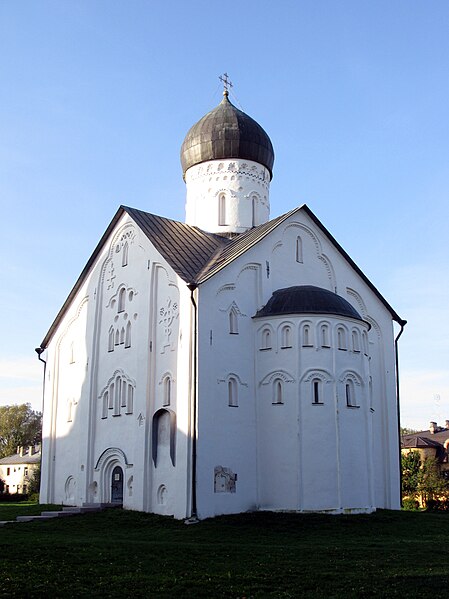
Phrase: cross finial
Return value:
(226, 83)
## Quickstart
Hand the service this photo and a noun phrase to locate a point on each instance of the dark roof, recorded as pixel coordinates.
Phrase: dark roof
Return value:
(307, 299)
(226, 132)
(21, 459)
(425, 438)
(187, 249)
(196, 255)
(418, 442)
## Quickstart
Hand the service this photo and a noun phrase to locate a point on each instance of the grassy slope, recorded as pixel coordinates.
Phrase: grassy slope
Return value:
(10, 511)
(123, 554)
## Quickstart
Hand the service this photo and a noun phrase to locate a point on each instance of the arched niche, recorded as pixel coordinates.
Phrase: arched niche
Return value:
(171, 417)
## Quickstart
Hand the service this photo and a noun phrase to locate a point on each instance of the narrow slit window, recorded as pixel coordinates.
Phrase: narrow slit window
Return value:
(111, 339)
(128, 335)
(355, 341)
(232, 393)
(105, 406)
(341, 338)
(325, 336)
(72, 353)
(254, 211)
(233, 322)
(286, 337)
(124, 401)
(266, 339)
(129, 407)
(111, 396)
(222, 209)
(306, 336)
(167, 391)
(125, 254)
(118, 395)
(299, 254)
(122, 336)
(121, 300)
(350, 394)
(117, 337)
(277, 392)
(316, 391)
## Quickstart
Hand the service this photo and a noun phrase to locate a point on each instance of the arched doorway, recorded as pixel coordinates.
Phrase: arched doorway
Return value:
(117, 485)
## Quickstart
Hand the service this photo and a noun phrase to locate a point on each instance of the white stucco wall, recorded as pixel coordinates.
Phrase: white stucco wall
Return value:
(94, 349)
(296, 455)
(245, 187)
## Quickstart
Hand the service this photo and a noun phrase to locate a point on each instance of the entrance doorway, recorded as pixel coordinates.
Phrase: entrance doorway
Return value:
(117, 485)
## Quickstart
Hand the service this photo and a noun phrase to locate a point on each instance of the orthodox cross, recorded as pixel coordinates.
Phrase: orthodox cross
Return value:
(226, 83)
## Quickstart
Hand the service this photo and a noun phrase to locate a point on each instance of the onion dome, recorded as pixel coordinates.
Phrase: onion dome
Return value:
(307, 299)
(226, 132)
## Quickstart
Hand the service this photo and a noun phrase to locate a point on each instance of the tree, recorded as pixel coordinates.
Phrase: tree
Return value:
(421, 479)
(35, 481)
(405, 430)
(19, 425)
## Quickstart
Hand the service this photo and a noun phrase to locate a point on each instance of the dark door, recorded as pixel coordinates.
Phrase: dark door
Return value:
(117, 485)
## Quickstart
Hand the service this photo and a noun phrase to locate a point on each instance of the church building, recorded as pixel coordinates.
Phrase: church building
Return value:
(226, 364)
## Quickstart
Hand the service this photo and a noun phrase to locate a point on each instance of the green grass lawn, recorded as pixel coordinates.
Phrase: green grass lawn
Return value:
(130, 554)
(10, 511)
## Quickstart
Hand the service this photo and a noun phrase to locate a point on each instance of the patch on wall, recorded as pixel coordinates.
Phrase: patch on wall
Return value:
(224, 480)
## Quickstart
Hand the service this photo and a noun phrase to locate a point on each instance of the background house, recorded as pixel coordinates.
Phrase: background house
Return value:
(17, 470)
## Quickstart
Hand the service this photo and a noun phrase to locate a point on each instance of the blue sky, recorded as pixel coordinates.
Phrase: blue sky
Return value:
(97, 95)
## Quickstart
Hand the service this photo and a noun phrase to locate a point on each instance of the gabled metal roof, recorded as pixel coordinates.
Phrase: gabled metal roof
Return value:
(196, 255)
(187, 249)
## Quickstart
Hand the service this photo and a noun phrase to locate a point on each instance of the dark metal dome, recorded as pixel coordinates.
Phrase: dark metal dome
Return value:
(307, 299)
(226, 132)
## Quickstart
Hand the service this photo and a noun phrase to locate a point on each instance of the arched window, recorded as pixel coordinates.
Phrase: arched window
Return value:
(121, 300)
(325, 342)
(222, 209)
(286, 337)
(254, 211)
(117, 337)
(167, 391)
(266, 339)
(111, 339)
(122, 336)
(355, 341)
(277, 392)
(233, 322)
(341, 338)
(307, 336)
(365, 343)
(299, 255)
(111, 396)
(124, 401)
(130, 402)
(128, 335)
(317, 392)
(350, 394)
(118, 396)
(125, 254)
(233, 400)
(105, 406)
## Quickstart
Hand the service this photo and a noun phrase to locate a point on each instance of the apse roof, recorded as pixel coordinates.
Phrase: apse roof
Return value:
(226, 132)
(197, 255)
(307, 299)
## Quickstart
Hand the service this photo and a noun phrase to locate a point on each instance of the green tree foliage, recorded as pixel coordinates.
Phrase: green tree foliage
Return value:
(405, 430)
(35, 481)
(422, 479)
(411, 466)
(19, 425)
